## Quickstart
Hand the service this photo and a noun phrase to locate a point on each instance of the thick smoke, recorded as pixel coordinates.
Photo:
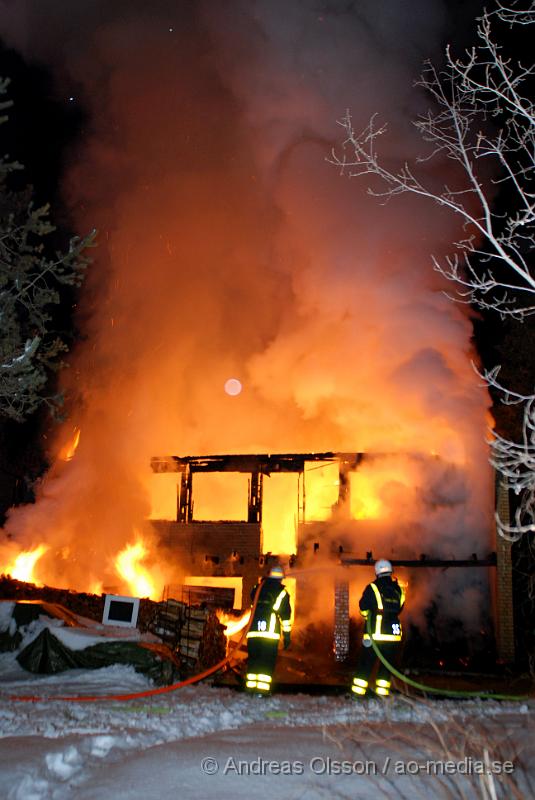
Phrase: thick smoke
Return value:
(229, 247)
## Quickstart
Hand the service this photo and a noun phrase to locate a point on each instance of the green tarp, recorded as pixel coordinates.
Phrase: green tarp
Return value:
(46, 654)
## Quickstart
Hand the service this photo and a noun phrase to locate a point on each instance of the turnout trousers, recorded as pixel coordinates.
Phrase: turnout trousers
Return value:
(367, 660)
(261, 660)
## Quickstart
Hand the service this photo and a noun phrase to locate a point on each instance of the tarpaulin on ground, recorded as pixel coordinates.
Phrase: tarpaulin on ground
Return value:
(52, 640)
(47, 654)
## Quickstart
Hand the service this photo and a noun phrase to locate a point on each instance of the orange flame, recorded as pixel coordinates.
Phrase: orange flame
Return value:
(365, 502)
(140, 584)
(24, 564)
(232, 624)
(69, 449)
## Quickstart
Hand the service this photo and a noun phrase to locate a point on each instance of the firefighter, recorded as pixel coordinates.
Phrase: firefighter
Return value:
(381, 602)
(271, 618)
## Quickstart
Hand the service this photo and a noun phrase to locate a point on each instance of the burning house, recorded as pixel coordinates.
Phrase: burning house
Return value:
(246, 299)
(325, 521)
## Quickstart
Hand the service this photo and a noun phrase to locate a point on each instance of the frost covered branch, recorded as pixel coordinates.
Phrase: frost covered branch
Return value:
(482, 120)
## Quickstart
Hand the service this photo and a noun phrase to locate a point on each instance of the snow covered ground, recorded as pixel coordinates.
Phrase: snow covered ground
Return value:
(203, 742)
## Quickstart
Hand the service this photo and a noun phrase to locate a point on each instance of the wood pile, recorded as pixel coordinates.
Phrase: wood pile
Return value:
(81, 603)
(193, 632)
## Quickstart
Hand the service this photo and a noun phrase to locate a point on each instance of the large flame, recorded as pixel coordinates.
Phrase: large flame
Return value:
(137, 577)
(23, 566)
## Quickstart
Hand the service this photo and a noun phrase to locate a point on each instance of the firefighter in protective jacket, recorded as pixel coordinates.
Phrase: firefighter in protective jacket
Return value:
(381, 604)
(271, 619)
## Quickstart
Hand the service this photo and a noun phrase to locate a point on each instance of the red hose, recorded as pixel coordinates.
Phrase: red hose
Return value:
(131, 696)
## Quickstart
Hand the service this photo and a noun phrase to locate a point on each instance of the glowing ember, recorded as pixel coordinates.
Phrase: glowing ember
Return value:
(127, 565)
(23, 566)
(233, 387)
(68, 450)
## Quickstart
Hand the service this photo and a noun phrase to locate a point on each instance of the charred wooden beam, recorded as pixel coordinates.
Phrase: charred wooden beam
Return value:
(425, 561)
(254, 511)
(185, 497)
(263, 463)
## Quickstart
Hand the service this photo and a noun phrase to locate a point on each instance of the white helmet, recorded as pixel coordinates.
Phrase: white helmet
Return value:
(383, 567)
(277, 573)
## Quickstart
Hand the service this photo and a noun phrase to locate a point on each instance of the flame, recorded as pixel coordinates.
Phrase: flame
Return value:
(140, 584)
(365, 504)
(280, 513)
(232, 624)
(69, 449)
(320, 490)
(24, 564)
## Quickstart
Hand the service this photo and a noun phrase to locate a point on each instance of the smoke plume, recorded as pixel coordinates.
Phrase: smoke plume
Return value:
(231, 248)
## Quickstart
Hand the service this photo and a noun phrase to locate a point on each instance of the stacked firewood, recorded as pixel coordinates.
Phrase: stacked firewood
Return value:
(193, 632)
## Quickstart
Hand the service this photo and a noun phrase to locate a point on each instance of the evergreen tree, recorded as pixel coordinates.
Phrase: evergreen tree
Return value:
(31, 281)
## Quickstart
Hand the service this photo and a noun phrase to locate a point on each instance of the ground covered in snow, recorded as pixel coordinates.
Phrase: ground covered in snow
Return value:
(203, 742)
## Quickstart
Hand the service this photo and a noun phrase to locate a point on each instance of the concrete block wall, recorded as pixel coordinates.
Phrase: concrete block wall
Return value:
(193, 542)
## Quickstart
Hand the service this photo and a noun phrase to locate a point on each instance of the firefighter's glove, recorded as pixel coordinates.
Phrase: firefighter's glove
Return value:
(286, 640)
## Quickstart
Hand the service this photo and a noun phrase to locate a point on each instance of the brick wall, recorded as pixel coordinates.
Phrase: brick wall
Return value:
(505, 634)
(206, 548)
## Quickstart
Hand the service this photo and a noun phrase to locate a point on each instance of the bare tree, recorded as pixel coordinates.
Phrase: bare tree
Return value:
(482, 126)
(31, 277)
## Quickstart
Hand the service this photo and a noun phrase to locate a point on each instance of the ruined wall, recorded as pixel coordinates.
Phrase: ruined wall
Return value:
(208, 548)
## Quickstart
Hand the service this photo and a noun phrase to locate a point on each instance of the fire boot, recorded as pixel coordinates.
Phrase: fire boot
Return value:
(360, 689)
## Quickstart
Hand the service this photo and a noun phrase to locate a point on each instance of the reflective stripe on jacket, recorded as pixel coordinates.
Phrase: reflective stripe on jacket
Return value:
(383, 600)
(272, 615)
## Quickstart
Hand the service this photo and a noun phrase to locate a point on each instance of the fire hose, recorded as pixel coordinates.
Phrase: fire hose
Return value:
(489, 695)
(426, 689)
(149, 692)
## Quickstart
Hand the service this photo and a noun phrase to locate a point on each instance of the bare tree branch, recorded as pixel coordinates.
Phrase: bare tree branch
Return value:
(482, 119)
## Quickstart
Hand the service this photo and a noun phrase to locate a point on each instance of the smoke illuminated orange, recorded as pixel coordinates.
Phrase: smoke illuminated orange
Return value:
(247, 255)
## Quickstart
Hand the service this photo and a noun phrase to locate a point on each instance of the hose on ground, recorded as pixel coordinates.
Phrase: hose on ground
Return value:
(489, 695)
